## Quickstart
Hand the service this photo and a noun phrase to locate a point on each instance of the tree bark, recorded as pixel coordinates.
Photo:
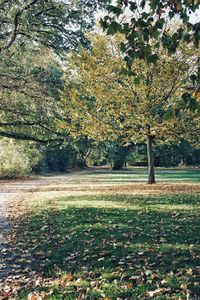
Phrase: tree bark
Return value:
(118, 165)
(151, 173)
(119, 160)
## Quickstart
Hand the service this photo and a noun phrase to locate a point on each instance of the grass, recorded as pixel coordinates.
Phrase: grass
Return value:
(113, 246)
(140, 174)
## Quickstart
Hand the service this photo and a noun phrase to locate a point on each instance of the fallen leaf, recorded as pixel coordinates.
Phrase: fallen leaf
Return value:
(158, 292)
(68, 277)
(4, 295)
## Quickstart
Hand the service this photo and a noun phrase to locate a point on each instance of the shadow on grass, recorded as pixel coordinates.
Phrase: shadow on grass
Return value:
(150, 236)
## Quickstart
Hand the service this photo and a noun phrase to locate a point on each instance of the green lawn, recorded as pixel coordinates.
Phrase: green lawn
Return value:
(140, 175)
(114, 246)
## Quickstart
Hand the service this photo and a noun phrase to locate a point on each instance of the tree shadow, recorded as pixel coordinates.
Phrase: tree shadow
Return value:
(75, 240)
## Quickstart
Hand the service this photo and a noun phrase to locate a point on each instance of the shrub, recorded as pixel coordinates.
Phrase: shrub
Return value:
(16, 158)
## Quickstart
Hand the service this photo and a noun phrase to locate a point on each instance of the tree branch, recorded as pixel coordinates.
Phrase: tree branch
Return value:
(17, 123)
(14, 35)
(26, 137)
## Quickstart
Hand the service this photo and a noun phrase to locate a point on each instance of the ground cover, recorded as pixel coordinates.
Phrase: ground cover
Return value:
(109, 243)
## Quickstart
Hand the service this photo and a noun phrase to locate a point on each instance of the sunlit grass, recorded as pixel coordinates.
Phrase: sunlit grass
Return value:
(114, 237)
(112, 245)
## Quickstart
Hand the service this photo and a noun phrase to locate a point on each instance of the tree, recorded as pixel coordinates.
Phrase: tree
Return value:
(142, 22)
(56, 24)
(118, 152)
(103, 103)
(30, 76)
(29, 96)
(174, 154)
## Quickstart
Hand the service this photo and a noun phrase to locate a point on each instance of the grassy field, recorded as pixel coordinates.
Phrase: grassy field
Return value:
(108, 235)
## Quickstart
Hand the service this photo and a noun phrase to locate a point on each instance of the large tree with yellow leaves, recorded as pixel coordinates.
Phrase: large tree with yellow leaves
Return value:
(105, 104)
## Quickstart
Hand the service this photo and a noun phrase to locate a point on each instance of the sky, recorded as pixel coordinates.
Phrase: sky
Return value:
(195, 17)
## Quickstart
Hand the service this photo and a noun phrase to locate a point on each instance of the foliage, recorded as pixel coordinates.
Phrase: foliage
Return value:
(172, 155)
(29, 95)
(31, 33)
(56, 24)
(55, 158)
(117, 154)
(148, 25)
(82, 148)
(138, 157)
(166, 155)
(99, 154)
(105, 104)
(17, 159)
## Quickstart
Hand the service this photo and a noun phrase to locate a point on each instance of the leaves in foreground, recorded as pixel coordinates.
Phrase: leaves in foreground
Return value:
(108, 247)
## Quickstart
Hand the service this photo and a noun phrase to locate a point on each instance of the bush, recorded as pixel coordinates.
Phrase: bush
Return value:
(55, 159)
(16, 158)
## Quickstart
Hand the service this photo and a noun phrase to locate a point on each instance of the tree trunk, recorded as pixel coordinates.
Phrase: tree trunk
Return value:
(120, 158)
(151, 173)
(118, 165)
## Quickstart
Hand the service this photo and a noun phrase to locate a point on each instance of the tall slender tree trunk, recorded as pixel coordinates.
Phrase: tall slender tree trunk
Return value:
(151, 173)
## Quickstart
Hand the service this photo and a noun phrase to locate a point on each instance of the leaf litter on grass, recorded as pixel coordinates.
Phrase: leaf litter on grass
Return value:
(115, 246)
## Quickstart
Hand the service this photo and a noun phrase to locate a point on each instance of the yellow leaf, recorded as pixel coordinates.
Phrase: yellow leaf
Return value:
(68, 277)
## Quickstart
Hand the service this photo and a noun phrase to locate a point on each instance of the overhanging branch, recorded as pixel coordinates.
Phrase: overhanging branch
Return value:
(26, 137)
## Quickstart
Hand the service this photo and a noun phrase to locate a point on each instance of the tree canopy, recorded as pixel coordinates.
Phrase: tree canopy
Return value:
(29, 95)
(57, 24)
(105, 104)
(32, 32)
(97, 89)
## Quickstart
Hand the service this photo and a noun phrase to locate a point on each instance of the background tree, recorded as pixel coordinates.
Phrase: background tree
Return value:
(17, 158)
(105, 104)
(55, 24)
(118, 153)
(30, 95)
(30, 77)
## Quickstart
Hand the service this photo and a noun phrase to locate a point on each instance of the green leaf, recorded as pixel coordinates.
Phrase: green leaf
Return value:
(131, 53)
(145, 15)
(193, 77)
(125, 29)
(127, 72)
(132, 36)
(171, 14)
(137, 80)
(122, 47)
(113, 28)
(114, 9)
(155, 34)
(143, 3)
(152, 58)
(128, 61)
(142, 23)
(159, 24)
(133, 6)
